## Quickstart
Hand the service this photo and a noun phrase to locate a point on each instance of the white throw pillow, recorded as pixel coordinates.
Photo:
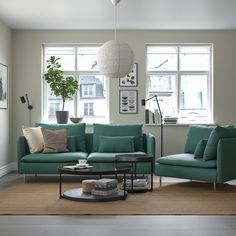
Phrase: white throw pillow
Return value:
(34, 138)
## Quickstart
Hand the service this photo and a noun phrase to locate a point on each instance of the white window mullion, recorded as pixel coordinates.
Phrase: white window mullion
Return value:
(86, 54)
(195, 103)
(178, 85)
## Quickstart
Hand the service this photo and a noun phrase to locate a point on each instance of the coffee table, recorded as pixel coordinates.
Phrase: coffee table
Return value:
(134, 159)
(77, 193)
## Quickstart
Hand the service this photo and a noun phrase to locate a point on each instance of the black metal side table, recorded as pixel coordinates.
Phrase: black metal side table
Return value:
(134, 159)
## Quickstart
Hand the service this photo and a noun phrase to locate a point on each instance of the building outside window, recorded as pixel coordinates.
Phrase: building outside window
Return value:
(88, 90)
(81, 62)
(181, 77)
(88, 109)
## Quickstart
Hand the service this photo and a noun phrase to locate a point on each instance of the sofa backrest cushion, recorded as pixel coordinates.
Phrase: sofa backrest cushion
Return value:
(77, 130)
(72, 143)
(116, 144)
(195, 134)
(218, 133)
(115, 130)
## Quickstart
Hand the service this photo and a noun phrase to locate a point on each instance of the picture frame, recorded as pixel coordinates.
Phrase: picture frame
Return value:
(3, 86)
(128, 101)
(130, 80)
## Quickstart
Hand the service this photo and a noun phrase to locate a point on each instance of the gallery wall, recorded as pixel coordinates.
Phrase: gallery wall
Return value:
(27, 74)
(6, 157)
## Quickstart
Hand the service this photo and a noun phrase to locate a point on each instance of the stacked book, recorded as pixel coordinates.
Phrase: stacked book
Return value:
(137, 184)
(170, 120)
(104, 187)
(152, 117)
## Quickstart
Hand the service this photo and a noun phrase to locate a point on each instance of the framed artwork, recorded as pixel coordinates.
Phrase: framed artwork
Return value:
(128, 101)
(3, 86)
(130, 80)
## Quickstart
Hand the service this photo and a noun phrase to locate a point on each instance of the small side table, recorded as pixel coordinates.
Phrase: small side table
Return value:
(133, 159)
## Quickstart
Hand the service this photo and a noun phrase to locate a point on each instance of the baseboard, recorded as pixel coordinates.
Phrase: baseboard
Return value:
(7, 168)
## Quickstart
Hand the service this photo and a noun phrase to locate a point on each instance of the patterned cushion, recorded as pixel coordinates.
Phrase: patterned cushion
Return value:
(77, 130)
(55, 140)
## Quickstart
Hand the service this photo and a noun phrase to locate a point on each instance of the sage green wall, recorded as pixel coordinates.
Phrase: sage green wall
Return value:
(5, 114)
(27, 73)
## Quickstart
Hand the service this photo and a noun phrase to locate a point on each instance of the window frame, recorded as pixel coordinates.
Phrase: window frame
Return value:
(76, 73)
(178, 73)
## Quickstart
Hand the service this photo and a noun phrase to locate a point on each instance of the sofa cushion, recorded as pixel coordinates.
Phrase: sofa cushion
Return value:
(218, 133)
(71, 143)
(77, 130)
(34, 138)
(199, 151)
(186, 159)
(54, 157)
(55, 140)
(118, 130)
(116, 144)
(195, 134)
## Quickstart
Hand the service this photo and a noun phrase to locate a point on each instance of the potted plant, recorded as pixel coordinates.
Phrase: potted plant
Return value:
(60, 85)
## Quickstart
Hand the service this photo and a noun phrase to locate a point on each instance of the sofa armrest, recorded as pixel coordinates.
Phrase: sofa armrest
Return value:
(226, 160)
(22, 148)
(150, 144)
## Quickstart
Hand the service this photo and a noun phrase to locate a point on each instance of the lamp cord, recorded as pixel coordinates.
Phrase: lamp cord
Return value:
(29, 117)
(115, 25)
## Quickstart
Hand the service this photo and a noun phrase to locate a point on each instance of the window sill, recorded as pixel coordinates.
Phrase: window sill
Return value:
(178, 124)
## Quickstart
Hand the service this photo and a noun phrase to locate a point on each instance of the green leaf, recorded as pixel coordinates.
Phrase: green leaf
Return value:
(61, 86)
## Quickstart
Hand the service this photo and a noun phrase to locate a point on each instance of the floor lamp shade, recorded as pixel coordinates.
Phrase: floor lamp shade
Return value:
(115, 59)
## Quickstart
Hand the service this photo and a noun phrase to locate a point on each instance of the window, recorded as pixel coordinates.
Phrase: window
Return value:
(88, 90)
(81, 62)
(88, 109)
(181, 77)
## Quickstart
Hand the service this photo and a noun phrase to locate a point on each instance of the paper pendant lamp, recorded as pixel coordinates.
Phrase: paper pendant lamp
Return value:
(115, 59)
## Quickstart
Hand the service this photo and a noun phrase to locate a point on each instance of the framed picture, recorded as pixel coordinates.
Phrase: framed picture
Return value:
(130, 80)
(3, 86)
(128, 101)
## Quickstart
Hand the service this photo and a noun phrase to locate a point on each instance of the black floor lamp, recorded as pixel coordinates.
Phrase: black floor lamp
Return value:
(25, 99)
(143, 102)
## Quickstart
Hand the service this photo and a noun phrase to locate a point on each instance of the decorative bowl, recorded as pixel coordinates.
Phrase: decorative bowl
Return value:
(76, 120)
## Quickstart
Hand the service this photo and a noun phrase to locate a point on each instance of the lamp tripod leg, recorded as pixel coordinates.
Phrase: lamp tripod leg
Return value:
(160, 181)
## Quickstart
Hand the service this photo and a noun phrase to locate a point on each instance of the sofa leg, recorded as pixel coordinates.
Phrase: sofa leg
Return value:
(160, 181)
(35, 178)
(24, 178)
(214, 186)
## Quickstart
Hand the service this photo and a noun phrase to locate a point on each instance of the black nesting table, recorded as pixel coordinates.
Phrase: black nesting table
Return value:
(134, 159)
(77, 193)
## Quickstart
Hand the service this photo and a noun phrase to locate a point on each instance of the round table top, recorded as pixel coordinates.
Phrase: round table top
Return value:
(134, 158)
(94, 170)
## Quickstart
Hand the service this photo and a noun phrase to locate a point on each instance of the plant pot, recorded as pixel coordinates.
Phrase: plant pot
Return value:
(62, 117)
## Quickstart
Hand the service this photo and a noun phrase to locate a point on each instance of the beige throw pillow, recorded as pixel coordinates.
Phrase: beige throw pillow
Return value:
(55, 140)
(34, 138)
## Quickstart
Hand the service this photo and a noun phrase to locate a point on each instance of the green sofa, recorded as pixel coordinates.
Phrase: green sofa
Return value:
(103, 144)
(213, 160)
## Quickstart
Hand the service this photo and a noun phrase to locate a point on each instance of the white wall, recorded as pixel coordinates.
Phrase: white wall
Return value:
(27, 73)
(6, 114)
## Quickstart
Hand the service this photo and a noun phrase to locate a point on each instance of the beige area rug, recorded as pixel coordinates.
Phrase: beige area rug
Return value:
(172, 198)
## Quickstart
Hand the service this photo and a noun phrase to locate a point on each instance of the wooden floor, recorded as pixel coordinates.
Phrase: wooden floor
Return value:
(12, 225)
